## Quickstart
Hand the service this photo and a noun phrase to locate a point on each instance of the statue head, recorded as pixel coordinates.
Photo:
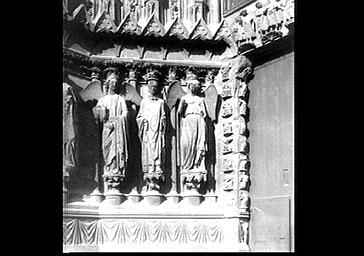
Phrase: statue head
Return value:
(194, 86)
(152, 78)
(244, 13)
(258, 5)
(153, 87)
(111, 83)
(95, 72)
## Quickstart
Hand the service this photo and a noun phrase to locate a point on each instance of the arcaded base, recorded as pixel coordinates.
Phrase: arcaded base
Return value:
(145, 228)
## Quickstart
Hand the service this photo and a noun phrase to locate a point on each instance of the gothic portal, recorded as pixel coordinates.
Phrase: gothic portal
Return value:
(171, 112)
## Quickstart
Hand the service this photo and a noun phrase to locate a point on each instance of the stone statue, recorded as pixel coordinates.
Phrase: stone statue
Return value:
(194, 108)
(275, 17)
(247, 22)
(151, 121)
(261, 22)
(70, 132)
(112, 112)
(244, 29)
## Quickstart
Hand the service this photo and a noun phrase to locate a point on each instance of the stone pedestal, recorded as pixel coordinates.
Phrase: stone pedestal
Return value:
(173, 197)
(114, 197)
(193, 198)
(134, 197)
(96, 196)
(210, 198)
(154, 197)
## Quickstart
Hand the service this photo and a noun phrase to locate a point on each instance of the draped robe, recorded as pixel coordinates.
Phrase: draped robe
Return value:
(193, 140)
(151, 121)
(114, 133)
(69, 127)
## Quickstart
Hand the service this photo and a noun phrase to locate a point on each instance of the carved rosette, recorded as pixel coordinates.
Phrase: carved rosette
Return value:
(235, 144)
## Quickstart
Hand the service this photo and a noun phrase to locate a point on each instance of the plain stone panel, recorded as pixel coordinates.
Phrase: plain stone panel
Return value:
(270, 225)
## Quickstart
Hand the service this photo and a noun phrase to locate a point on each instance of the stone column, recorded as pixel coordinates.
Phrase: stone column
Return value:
(97, 195)
(235, 144)
(210, 195)
(173, 196)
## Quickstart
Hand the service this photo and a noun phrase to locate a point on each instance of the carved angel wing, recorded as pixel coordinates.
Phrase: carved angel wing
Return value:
(92, 91)
(131, 93)
(175, 92)
(211, 97)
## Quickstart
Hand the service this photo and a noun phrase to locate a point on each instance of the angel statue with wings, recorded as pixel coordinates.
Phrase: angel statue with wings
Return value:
(112, 113)
(193, 111)
(151, 121)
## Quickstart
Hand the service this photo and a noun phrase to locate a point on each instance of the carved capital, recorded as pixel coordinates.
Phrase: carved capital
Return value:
(193, 180)
(154, 180)
(113, 179)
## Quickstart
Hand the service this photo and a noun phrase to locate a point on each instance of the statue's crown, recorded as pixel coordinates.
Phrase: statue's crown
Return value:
(111, 71)
(191, 78)
(152, 74)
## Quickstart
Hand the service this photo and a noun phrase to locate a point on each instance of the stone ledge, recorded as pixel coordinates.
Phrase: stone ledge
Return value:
(144, 210)
(156, 247)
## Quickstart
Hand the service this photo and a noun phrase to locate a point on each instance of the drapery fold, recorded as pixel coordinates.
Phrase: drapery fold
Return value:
(100, 231)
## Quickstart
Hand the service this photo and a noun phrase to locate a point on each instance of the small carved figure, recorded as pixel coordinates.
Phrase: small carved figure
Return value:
(244, 182)
(152, 124)
(275, 16)
(244, 32)
(261, 22)
(244, 200)
(248, 25)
